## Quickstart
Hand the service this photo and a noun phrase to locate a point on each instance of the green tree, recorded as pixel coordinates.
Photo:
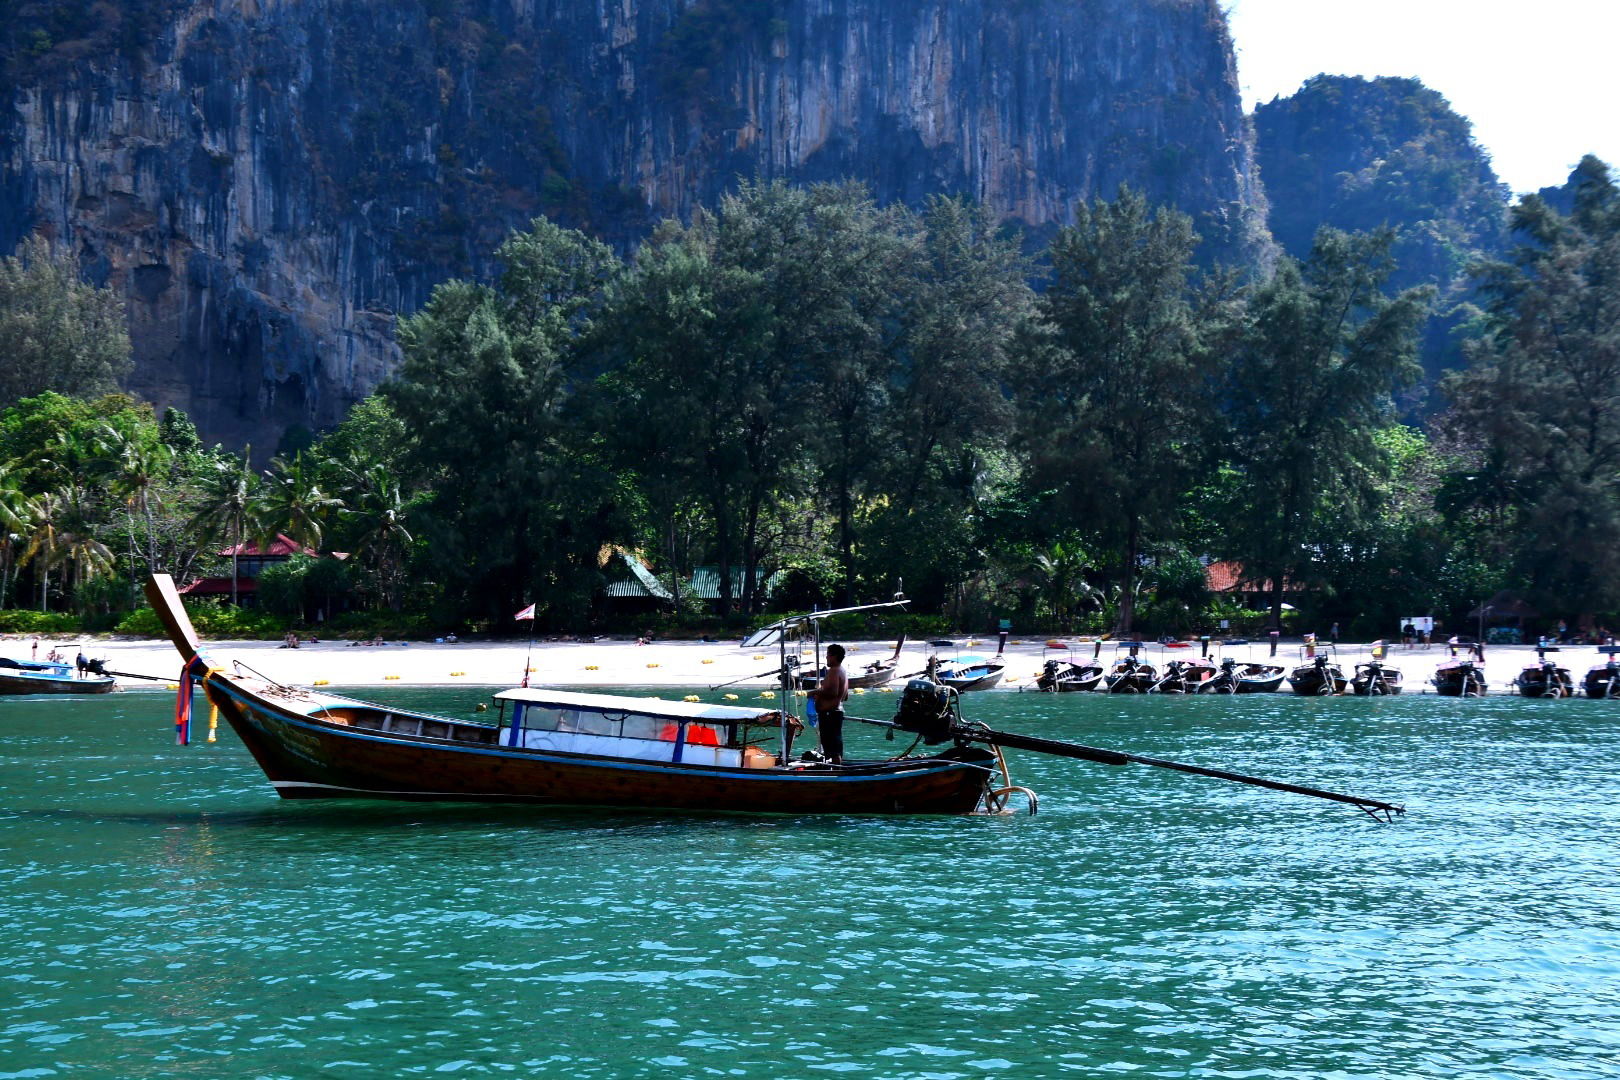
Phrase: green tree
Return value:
(1542, 397)
(294, 502)
(486, 383)
(1113, 404)
(56, 332)
(228, 501)
(17, 512)
(1305, 395)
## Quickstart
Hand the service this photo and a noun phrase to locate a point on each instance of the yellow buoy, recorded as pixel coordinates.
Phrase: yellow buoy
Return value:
(858, 690)
(592, 667)
(768, 695)
(691, 697)
(652, 665)
(323, 682)
(708, 661)
(759, 656)
(171, 686)
(453, 674)
(390, 676)
(731, 697)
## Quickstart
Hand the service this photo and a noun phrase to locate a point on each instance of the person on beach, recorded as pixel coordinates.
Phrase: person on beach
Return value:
(80, 664)
(36, 650)
(829, 698)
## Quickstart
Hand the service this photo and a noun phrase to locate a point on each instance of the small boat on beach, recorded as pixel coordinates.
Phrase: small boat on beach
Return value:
(1544, 678)
(868, 677)
(558, 748)
(1603, 681)
(1130, 674)
(1234, 677)
(34, 677)
(1460, 677)
(1374, 678)
(1184, 676)
(1319, 676)
(1069, 676)
(971, 672)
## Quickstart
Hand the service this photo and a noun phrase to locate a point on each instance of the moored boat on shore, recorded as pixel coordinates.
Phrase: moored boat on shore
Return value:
(1130, 674)
(1233, 677)
(1460, 677)
(1320, 676)
(1603, 681)
(32, 677)
(1069, 676)
(1374, 678)
(1544, 678)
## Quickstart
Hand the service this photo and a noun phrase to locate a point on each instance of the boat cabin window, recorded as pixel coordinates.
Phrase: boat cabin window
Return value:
(621, 725)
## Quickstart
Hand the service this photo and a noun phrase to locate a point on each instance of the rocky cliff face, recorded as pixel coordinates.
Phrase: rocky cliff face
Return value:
(270, 181)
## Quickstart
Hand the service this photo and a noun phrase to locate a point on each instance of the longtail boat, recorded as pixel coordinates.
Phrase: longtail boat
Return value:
(1184, 676)
(1603, 681)
(1130, 674)
(1234, 677)
(1374, 678)
(971, 672)
(1544, 678)
(866, 677)
(557, 748)
(34, 677)
(1068, 676)
(1320, 676)
(1460, 677)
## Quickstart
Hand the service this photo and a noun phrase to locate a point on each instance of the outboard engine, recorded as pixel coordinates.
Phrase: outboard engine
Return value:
(925, 709)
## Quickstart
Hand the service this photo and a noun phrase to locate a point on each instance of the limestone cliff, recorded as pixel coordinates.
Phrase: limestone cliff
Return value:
(270, 181)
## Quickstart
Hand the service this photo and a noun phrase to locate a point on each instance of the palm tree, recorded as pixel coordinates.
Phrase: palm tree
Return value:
(230, 496)
(17, 511)
(294, 502)
(136, 466)
(1061, 569)
(379, 512)
(47, 543)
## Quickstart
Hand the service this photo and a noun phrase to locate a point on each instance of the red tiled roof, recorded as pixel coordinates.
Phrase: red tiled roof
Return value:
(282, 545)
(1226, 575)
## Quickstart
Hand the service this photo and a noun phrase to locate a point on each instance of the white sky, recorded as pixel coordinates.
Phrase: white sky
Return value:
(1536, 77)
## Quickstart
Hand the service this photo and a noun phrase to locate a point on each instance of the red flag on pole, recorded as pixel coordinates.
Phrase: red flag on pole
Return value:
(526, 613)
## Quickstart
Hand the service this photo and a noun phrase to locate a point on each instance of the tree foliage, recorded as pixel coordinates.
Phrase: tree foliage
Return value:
(1542, 398)
(56, 332)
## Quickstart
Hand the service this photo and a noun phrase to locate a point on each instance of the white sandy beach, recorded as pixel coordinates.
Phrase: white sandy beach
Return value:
(694, 665)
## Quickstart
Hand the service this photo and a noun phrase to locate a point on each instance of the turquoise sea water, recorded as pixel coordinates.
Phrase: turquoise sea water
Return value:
(163, 914)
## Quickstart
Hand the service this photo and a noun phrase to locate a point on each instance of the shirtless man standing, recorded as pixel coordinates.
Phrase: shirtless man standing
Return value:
(830, 697)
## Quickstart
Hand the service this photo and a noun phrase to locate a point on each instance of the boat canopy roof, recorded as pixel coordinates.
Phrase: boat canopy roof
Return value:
(617, 703)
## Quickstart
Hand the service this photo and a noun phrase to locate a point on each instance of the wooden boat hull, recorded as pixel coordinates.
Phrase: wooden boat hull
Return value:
(977, 682)
(12, 682)
(1386, 683)
(870, 678)
(1138, 681)
(313, 745)
(1070, 679)
(1535, 682)
(1313, 681)
(305, 757)
(1602, 682)
(1459, 682)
